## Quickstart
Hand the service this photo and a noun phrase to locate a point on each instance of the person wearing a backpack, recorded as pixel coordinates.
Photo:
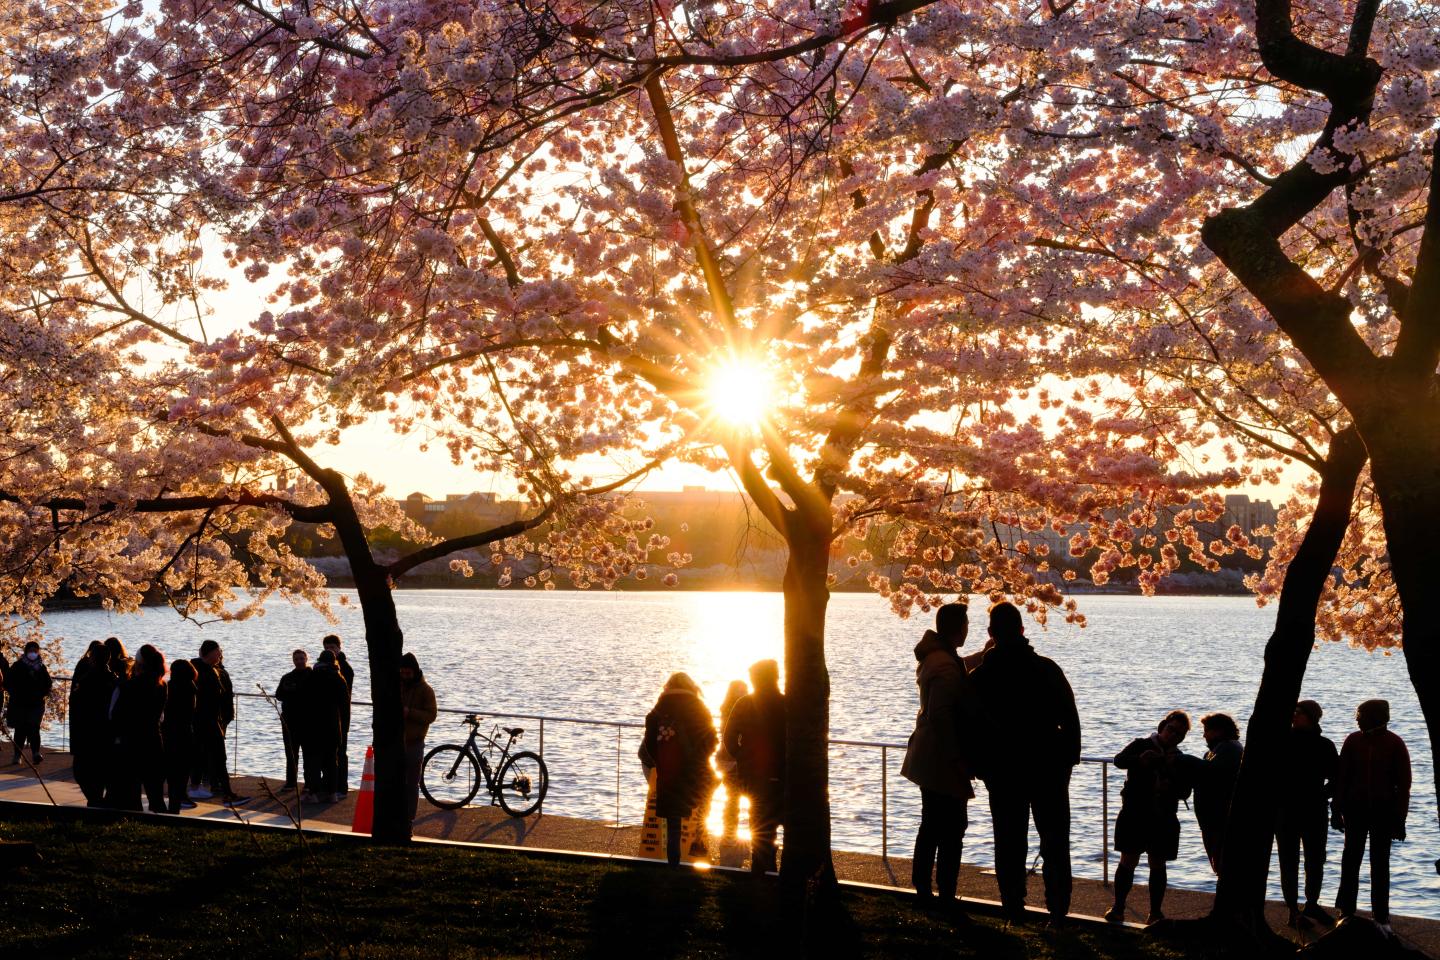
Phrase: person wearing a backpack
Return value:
(679, 739)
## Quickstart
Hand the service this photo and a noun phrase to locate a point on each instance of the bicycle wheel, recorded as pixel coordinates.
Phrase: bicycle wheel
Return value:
(521, 784)
(449, 777)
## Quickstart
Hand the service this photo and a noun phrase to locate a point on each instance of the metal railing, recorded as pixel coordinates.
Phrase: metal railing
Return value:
(884, 748)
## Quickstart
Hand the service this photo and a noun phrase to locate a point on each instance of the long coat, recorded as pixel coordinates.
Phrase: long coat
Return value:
(937, 756)
(28, 683)
(679, 739)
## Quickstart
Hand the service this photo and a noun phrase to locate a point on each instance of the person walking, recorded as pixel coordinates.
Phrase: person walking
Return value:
(1372, 801)
(140, 752)
(325, 698)
(1215, 782)
(1149, 822)
(755, 737)
(1029, 746)
(679, 739)
(1307, 783)
(417, 698)
(937, 756)
(214, 709)
(342, 771)
(27, 683)
(290, 691)
(178, 734)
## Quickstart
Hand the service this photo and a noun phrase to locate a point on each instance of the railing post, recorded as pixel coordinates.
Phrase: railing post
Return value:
(884, 803)
(1105, 820)
(542, 738)
(617, 776)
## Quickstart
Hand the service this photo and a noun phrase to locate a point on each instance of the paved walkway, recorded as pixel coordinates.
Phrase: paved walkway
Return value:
(489, 825)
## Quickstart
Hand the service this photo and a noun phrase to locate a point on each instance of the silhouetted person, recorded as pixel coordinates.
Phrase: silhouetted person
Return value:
(290, 691)
(937, 758)
(1372, 800)
(140, 752)
(755, 737)
(679, 739)
(1306, 784)
(214, 709)
(332, 643)
(1031, 744)
(1215, 781)
(92, 738)
(325, 698)
(4, 673)
(729, 768)
(27, 684)
(178, 731)
(417, 700)
(121, 665)
(1149, 823)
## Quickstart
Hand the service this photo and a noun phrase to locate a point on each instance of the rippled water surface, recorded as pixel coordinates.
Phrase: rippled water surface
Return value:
(604, 657)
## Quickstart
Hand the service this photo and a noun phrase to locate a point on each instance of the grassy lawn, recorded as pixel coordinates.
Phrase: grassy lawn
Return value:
(108, 890)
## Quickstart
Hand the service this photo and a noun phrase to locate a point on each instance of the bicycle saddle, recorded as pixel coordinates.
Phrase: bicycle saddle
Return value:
(513, 731)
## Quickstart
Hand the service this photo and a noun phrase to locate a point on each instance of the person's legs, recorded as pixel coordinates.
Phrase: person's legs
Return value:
(154, 777)
(1124, 880)
(1314, 834)
(1287, 848)
(1010, 816)
(927, 841)
(1380, 874)
(1052, 821)
(766, 809)
(1159, 880)
(178, 776)
(955, 818)
(342, 755)
(291, 738)
(672, 840)
(413, 756)
(1354, 852)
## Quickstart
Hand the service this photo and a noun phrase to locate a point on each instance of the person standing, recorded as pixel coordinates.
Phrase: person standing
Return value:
(290, 691)
(1372, 801)
(178, 733)
(417, 698)
(755, 737)
(1030, 745)
(1215, 781)
(139, 748)
(214, 708)
(729, 768)
(1307, 783)
(937, 755)
(92, 739)
(325, 698)
(679, 739)
(1149, 821)
(332, 644)
(27, 681)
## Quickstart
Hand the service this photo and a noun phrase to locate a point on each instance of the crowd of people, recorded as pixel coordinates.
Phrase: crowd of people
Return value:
(1004, 715)
(1007, 716)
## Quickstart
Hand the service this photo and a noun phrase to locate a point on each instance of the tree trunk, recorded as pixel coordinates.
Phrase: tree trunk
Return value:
(1405, 452)
(807, 696)
(384, 643)
(1240, 894)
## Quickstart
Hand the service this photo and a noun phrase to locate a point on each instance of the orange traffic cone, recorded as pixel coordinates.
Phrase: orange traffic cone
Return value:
(365, 802)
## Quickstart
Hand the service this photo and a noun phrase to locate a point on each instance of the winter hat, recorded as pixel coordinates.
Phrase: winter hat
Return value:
(1311, 709)
(1372, 714)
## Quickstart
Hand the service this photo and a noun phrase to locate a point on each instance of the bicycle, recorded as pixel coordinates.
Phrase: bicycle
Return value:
(450, 775)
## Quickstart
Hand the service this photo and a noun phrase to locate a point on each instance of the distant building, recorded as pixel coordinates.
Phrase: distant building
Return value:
(460, 512)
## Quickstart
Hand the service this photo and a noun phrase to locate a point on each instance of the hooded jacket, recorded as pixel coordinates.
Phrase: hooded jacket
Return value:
(417, 698)
(937, 756)
(28, 682)
(679, 738)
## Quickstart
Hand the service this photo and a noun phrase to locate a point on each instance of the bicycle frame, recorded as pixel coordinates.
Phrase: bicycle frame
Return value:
(472, 748)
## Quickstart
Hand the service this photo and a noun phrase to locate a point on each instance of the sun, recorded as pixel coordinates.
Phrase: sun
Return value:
(739, 391)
